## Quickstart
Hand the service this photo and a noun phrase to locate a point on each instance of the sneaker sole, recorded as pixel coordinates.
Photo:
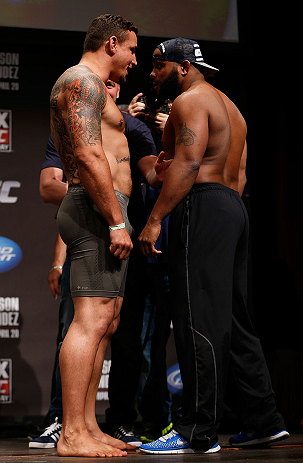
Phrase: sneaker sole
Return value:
(215, 449)
(167, 452)
(38, 445)
(172, 452)
(263, 440)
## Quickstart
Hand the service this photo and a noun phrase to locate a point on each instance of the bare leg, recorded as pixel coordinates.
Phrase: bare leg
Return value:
(92, 319)
(90, 413)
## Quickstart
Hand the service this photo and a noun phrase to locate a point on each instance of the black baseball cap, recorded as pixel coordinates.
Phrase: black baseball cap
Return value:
(179, 49)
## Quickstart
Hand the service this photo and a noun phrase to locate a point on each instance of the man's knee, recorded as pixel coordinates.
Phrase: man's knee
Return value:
(95, 314)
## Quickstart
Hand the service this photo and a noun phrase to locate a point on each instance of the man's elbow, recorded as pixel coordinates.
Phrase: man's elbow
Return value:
(194, 167)
(44, 194)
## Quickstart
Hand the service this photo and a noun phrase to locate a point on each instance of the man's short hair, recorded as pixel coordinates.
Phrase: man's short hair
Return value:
(105, 26)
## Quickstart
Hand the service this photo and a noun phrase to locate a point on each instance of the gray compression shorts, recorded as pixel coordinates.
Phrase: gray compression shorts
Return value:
(94, 269)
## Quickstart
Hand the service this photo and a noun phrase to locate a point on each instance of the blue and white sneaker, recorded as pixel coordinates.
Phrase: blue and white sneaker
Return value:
(49, 439)
(173, 443)
(244, 439)
(127, 435)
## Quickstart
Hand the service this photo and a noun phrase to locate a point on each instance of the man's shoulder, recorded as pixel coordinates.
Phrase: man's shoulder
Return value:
(199, 98)
(78, 73)
(84, 84)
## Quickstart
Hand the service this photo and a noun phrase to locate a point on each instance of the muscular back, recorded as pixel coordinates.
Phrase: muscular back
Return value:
(234, 168)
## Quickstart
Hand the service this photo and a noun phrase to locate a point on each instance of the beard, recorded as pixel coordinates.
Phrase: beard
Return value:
(122, 80)
(170, 88)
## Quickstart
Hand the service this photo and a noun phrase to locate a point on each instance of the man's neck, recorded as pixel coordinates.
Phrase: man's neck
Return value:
(98, 63)
(193, 78)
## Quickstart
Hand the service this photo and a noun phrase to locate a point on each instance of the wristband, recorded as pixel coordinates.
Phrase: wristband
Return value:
(54, 268)
(117, 227)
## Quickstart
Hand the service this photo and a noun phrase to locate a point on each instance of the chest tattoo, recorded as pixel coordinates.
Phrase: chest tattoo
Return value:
(125, 159)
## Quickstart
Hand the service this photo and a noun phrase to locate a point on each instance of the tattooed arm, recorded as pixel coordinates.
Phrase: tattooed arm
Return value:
(85, 98)
(189, 136)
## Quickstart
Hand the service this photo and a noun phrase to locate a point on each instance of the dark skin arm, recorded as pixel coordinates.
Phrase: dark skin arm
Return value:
(190, 143)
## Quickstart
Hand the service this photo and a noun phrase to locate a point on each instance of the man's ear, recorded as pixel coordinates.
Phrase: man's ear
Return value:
(112, 44)
(185, 65)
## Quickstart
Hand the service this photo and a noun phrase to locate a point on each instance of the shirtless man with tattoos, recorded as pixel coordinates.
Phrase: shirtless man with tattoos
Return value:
(93, 222)
(208, 245)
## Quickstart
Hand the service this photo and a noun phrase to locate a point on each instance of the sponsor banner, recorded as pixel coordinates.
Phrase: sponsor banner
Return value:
(174, 381)
(6, 195)
(6, 381)
(5, 131)
(9, 71)
(10, 254)
(102, 393)
(9, 318)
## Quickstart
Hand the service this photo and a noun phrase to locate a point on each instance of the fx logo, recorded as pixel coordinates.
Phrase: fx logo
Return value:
(5, 381)
(6, 130)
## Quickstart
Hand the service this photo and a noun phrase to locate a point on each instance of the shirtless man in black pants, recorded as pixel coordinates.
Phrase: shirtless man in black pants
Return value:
(205, 136)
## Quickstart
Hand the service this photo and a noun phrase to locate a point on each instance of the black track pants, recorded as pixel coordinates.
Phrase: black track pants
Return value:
(208, 247)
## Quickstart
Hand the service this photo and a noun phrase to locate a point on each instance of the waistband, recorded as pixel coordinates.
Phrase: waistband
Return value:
(72, 188)
(122, 196)
(200, 187)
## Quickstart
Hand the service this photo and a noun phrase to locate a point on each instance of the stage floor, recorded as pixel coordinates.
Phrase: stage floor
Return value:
(290, 450)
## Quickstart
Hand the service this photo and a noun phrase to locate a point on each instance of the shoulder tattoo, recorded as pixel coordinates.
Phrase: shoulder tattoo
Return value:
(85, 101)
(185, 135)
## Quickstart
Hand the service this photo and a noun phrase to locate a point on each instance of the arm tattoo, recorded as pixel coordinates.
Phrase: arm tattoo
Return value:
(85, 98)
(85, 101)
(185, 135)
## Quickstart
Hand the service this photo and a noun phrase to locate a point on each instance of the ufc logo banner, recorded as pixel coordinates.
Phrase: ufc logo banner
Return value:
(5, 130)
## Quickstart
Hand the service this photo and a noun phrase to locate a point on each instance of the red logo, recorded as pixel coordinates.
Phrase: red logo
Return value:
(5, 130)
(5, 381)
(4, 386)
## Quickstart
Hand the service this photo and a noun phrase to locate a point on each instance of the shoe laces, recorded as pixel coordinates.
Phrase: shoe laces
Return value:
(52, 428)
(171, 434)
(126, 431)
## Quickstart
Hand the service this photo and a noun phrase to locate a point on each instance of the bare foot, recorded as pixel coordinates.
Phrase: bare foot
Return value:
(119, 444)
(83, 445)
(96, 433)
